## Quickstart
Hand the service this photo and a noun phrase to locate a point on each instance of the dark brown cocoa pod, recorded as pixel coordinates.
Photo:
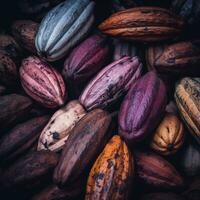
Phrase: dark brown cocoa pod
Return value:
(13, 108)
(162, 196)
(21, 138)
(29, 170)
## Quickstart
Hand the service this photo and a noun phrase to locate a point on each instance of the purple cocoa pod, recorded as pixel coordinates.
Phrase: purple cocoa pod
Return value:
(111, 83)
(86, 60)
(142, 108)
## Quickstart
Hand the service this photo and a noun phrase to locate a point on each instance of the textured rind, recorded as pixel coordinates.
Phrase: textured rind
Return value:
(21, 138)
(13, 108)
(24, 31)
(56, 132)
(177, 58)
(63, 27)
(169, 136)
(142, 108)
(145, 24)
(42, 82)
(85, 142)
(188, 102)
(154, 170)
(86, 59)
(29, 169)
(111, 174)
(111, 83)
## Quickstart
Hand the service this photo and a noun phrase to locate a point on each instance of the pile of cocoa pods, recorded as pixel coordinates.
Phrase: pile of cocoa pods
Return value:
(100, 100)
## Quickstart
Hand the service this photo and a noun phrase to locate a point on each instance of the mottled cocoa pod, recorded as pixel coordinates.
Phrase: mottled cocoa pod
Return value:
(8, 70)
(85, 142)
(21, 138)
(162, 196)
(13, 107)
(142, 108)
(33, 167)
(144, 24)
(111, 83)
(2, 90)
(111, 174)
(188, 102)
(182, 58)
(154, 170)
(42, 82)
(24, 32)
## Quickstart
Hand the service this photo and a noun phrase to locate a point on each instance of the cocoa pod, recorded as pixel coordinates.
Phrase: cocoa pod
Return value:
(84, 143)
(2, 89)
(142, 108)
(188, 102)
(28, 170)
(169, 136)
(13, 108)
(8, 70)
(86, 60)
(42, 82)
(24, 31)
(180, 58)
(56, 132)
(111, 83)
(21, 138)
(144, 24)
(162, 196)
(154, 170)
(111, 174)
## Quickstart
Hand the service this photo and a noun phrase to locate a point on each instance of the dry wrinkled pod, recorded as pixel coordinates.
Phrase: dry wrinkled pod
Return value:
(169, 136)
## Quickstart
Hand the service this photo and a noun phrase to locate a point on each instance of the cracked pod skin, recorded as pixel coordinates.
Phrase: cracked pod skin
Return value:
(86, 60)
(112, 172)
(42, 82)
(111, 83)
(64, 27)
(142, 108)
(188, 102)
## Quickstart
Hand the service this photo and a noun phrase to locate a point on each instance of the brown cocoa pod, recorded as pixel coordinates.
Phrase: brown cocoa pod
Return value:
(32, 168)
(21, 138)
(111, 174)
(24, 32)
(13, 108)
(162, 196)
(156, 171)
(144, 24)
(83, 145)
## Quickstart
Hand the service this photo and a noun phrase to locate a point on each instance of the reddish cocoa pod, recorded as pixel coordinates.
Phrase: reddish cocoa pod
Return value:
(29, 170)
(13, 108)
(111, 83)
(156, 171)
(21, 138)
(162, 196)
(24, 32)
(42, 82)
(142, 108)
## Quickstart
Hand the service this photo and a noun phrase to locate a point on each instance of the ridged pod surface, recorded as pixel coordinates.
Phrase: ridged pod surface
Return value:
(24, 31)
(86, 59)
(84, 144)
(42, 82)
(111, 174)
(154, 170)
(111, 83)
(142, 108)
(56, 132)
(63, 27)
(169, 136)
(188, 102)
(144, 24)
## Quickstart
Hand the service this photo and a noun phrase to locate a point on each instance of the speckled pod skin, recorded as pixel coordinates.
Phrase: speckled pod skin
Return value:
(188, 102)
(24, 31)
(111, 174)
(86, 60)
(42, 82)
(156, 171)
(142, 108)
(111, 83)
